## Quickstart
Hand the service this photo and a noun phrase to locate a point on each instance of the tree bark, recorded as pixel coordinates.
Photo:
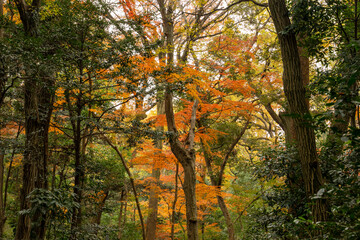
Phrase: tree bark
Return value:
(154, 196)
(295, 95)
(38, 109)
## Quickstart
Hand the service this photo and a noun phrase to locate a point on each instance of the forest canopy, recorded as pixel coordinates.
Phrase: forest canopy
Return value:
(179, 119)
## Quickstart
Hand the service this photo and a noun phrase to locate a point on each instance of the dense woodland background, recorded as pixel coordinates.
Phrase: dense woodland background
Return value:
(179, 119)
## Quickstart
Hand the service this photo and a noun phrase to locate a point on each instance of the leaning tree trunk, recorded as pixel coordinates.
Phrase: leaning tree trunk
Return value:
(295, 95)
(186, 158)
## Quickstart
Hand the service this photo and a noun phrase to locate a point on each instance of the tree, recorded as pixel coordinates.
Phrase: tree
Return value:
(295, 93)
(38, 107)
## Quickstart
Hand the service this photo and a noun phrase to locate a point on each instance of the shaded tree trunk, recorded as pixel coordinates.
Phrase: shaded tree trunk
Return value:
(2, 204)
(298, 107)
(38, 101)
(38, 108)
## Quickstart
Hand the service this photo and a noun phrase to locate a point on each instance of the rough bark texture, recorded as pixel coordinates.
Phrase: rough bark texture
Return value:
(38, 101)
(295, 94)
(38, 108)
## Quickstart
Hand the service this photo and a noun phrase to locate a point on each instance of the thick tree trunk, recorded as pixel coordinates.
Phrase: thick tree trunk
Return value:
(295, 94)
(186, 157)
(38, 108)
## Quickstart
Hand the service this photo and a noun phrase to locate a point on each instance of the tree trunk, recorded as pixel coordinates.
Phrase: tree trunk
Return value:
(229, 222)
(153, 207)
(154, 196)
(79, 175)
(121, 222)
(216, 181)
(190, 198)
(295, 95)
(38, 108)
(2, 210)
(173, 209)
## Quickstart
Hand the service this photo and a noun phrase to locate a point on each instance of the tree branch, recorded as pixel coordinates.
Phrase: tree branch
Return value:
(231, 148)
(274, 116)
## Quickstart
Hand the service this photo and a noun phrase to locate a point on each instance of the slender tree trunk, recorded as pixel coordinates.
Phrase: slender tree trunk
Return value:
(173, 210)
(4, 186)
(122, 211)
(2, 71)
(153, 206)
(131, 182)
(2, 210)
(217, 181)
(154, 196)
(295, 94)
(202, 230)
(1, 29)
(75, 116)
